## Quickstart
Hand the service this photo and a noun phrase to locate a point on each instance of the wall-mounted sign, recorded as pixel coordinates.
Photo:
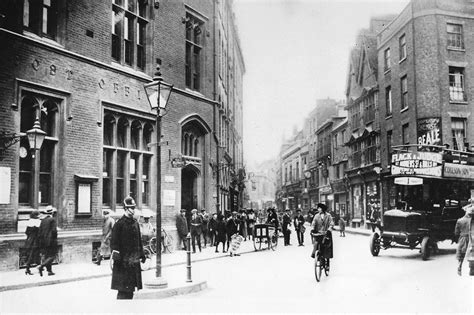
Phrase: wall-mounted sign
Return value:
(169, 197)
(416, 163)
(408, 181)
(429, 131)
(5, 182)
(178, 162)
(458, 170)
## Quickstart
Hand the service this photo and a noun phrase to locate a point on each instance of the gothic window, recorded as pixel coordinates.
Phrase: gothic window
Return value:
(126, 159)
(40, 17)
(36, 176)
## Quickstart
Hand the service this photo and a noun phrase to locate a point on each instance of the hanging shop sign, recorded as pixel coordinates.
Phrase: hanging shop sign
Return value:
(417, 163)
(178, 162)
(408, 181)
(459, 171)
(429, 131)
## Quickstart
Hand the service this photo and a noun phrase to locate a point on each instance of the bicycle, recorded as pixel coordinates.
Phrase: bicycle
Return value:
(321, 259)
(166, 243)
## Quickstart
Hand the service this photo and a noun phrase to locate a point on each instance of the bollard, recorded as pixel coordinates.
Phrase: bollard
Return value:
(188, 252)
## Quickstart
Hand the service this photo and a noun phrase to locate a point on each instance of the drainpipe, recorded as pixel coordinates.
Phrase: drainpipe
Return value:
(215, 111)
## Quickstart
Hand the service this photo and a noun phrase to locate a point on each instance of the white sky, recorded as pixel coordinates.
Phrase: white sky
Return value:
(295, 51)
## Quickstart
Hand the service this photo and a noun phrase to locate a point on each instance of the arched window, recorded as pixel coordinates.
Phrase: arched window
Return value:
(147, 132)
(122, 127)
(196, 146)
(135, 134)
(36, 181)
(108, 135)
(191, 145)
(185, 141)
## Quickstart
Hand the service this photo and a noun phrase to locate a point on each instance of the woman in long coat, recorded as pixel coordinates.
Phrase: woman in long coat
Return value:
(32, 240)
(127, 251)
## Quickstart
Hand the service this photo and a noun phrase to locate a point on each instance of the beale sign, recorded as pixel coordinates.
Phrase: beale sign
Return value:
(417, 163)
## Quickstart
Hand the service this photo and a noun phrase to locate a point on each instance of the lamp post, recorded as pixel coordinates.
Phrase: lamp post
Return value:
(36, 137)
(158, 93)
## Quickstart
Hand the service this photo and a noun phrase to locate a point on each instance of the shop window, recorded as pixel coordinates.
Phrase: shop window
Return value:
(40, 17)
(36, 180)
(146, 180)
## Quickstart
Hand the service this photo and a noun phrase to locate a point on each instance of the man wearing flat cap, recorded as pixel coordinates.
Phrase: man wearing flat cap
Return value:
(48, 240)
(107, 225)
(127, 252)
(196, 229)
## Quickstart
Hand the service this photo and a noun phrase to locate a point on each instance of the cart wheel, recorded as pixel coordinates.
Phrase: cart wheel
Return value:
(425, 248)
(326, 267)
(317, 266)
(374, 244)
(146, 265)
(257, 242)
(274, 241)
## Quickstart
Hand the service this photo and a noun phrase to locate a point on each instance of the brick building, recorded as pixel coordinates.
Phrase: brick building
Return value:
(363, 124)
(79, 67)
(426, 82)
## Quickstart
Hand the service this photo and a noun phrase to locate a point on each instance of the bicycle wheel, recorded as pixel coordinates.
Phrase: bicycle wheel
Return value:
(153, 245)
(326, 267)
(168, 244)
(146, 265)
(318, 265)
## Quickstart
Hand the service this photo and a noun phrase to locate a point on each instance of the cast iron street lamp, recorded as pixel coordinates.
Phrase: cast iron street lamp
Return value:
(35, 137)
(158, 93)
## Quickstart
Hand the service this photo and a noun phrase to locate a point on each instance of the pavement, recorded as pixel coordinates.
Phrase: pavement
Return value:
(16, 280)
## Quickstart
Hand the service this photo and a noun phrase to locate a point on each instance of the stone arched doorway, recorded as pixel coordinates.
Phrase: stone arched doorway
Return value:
(189, 189)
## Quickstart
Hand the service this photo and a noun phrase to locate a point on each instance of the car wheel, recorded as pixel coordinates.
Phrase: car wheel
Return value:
(375, 244)
(425, 248)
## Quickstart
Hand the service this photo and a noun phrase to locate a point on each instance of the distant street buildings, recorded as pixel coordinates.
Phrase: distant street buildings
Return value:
(409, 89)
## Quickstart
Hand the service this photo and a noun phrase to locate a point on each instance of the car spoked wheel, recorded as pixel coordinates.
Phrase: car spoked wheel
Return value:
(374, 244)
(426, 248)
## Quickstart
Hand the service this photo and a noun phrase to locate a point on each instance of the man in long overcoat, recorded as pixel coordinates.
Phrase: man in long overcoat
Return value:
(196, 229)
(127, 251)
(48, 241)
(107, 225)
(463, 235)
(182, 227)
(286, 222)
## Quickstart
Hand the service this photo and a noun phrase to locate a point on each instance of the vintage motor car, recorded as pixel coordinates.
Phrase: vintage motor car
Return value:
(413, 228)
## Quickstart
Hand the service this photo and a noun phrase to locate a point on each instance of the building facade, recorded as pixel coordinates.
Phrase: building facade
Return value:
(78, 68)
(425, 60)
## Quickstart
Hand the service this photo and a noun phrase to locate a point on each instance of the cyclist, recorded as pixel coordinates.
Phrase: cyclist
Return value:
(321, 224)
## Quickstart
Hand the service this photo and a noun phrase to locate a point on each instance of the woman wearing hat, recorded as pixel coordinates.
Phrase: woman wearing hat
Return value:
(48, 241)
(31, 245)
(462, 233)
(321, 224)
